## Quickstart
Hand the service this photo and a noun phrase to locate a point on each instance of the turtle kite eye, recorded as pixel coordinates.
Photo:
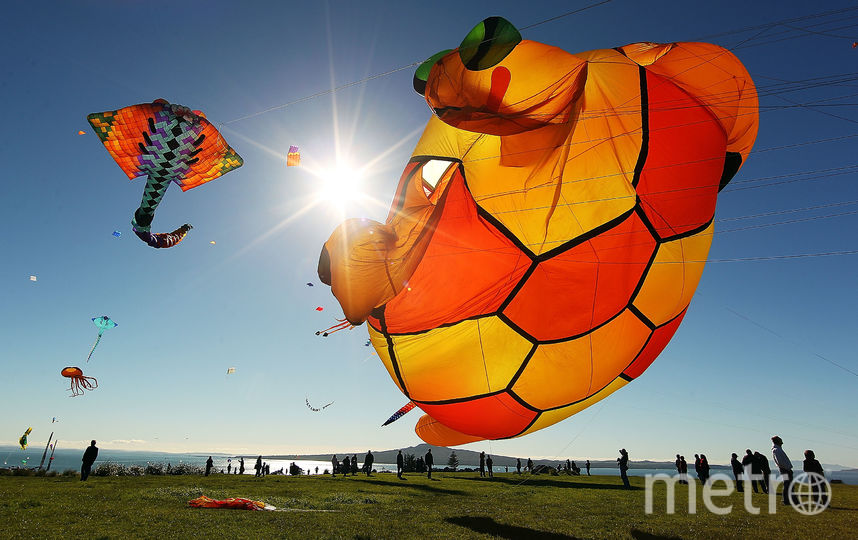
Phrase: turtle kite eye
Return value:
(422, 73)
(488, 43)
(432, 173)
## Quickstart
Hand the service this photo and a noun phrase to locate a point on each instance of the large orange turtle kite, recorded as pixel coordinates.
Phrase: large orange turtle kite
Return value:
(550, 229)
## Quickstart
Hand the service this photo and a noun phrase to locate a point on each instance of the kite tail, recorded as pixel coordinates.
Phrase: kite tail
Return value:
(94, 345)
(342, 324)
(164, 240)
(156, 187)
(400, 413)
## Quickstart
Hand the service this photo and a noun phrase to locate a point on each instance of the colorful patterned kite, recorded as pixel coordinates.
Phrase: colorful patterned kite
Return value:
(550, 229)
(166, 143)
(103, 323)
(78, 382)
(293, 158)
(400, 413)
(234, 503)
(23, 440)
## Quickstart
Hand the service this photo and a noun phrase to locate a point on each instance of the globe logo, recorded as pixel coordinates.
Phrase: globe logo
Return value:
(810, 493)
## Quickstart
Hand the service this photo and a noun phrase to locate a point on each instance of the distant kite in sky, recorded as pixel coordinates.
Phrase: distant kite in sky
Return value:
(309, 284)
(23, 440)
(314, 409)
(212, 242)
(117, 234)
(79, 383)
(33, 278)
(166, 143)
(103, 323)
(400, 413)
(320, 308)
(368, 343)
(230, 371)
(81, 132)
(293, 159)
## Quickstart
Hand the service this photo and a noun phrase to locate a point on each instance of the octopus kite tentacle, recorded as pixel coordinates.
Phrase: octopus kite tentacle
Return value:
(342, 324)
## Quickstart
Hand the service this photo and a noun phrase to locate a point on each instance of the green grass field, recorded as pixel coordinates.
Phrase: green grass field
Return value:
(459, 505)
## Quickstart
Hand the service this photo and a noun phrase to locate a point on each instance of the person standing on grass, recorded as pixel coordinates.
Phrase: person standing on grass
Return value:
(400, 464)
(209, 465)
(429, 460)
(737, 472)
(347, 467)
(489, 464)
(765, 470)
(588, 467)
(482, 464)
(229, 468)
(354, 465)
(89, 457)
(697, 465)
(623, 462)
(704, 469)
(812, 465)
(530, 465)
(258, 466)
(241, 466)
(748, 466)
(683, 470)
(518, 465)
(367, 462)
(784, 465)
(335, 464)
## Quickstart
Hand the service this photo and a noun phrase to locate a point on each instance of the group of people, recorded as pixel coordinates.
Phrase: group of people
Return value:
(350, 465)
(754, 467)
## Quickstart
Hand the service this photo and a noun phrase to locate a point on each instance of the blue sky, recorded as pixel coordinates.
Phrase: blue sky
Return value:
(744, 365)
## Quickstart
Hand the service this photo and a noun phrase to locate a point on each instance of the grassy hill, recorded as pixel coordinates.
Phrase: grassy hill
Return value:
(454, 505)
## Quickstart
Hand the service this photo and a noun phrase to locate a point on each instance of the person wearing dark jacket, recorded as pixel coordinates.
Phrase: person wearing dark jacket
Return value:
(346, 468)
(623, 463)
(737, 472)
(429, 460)
(89, 457)
(335, 464)
(697, 466)
(518, 465)
(748, 463)
(367, 462)
(354, 465)
(683, 470)
(704, 469)
(765, 470)
(482, 464)
(258, 466)
(588, 467)
(812, 465)
(400, 464)
(209, 465)
(530, 465)
(489, 464)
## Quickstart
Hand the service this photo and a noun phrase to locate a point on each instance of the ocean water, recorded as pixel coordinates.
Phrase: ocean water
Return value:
(65, 458)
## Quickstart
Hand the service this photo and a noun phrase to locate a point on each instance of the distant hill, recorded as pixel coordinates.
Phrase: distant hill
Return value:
(467, 458)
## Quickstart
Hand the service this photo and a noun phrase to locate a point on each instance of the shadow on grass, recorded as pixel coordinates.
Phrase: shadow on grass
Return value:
(422, 487)
(487, 525)
(643, 535)
(536, 481)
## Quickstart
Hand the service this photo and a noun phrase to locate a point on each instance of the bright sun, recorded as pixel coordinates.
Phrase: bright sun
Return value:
(341, 185)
